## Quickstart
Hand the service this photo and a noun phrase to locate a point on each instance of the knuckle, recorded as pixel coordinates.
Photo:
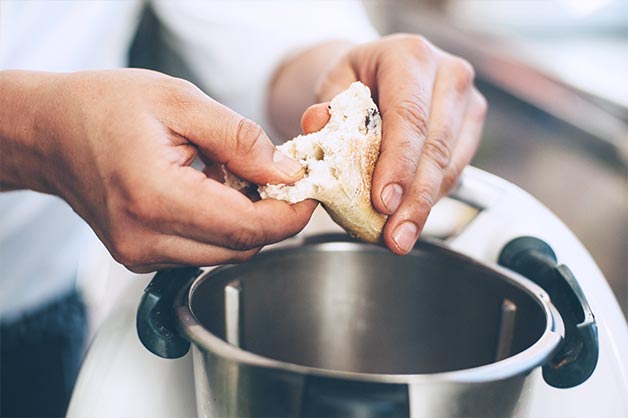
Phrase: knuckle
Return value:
(180, 85)
(451, 177)
(463, 73)
(180, 93)
(481, 106)
(416, 44)
(405, 159)
(415, 115)
(126, 252)
(422, 203)
(141, 209)
(438, 148)
(245, 238)
(243, 256)
(248, 136)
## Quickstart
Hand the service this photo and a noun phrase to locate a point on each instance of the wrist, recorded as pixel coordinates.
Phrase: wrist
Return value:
(26, 133)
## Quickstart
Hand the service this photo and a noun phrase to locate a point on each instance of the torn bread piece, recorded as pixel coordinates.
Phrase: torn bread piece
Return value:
(339, 161)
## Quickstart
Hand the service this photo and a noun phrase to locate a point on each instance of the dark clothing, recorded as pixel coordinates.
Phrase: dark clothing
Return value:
(41, 353)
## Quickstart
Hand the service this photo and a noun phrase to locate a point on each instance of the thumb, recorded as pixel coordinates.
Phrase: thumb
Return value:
(335, 80)
(249, 153)
(315, 118)
(225, 137)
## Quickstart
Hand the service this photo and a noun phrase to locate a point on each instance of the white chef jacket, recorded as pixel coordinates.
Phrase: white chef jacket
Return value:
(231, 47)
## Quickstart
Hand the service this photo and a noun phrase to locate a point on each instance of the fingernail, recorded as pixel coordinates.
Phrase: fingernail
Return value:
(405, 236)
(286, 164)
(391, 196)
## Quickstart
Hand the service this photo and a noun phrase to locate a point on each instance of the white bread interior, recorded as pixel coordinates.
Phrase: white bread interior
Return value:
(338, 161)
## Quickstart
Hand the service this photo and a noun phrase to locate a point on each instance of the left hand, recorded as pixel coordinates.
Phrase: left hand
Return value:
(432, 121)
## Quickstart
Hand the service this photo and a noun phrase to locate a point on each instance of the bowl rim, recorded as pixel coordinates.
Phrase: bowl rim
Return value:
(521, 363)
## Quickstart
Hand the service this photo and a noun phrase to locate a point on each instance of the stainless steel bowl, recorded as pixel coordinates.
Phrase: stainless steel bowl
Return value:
(349, 329)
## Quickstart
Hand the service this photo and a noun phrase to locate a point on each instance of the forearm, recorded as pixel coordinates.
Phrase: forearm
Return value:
(293, 87)
(25, 151)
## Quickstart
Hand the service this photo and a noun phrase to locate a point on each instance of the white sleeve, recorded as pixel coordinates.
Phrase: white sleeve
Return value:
(234, 47)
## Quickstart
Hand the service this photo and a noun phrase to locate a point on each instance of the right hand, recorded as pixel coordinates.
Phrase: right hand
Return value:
(432, 118)
(119, 145)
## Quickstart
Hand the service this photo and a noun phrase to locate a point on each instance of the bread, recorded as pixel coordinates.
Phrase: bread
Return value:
(338, 161)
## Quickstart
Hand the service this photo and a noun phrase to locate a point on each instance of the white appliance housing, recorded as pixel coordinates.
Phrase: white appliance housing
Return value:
(120, 378)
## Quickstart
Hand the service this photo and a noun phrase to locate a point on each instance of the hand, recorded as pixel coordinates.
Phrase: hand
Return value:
(432, 122)
(119, 145)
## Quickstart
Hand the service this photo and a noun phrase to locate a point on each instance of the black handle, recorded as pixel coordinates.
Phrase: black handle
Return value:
(577, 356)
(156, 321)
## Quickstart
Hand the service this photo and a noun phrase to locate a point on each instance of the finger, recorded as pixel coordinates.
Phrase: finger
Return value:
(204, 210)
(451, 95)
(169, 251)
(315, 118)
(225, 137)
(150, 268)
(295, 216)
(467, 142)
(214, 172)
(405, 93)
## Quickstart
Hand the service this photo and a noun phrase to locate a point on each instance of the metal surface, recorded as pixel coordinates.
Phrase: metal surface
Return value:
(233, 304)
(120, 378)
(325, 324)
(506, 329)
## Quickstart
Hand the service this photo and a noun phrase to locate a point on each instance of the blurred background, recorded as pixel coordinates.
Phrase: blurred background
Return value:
(555, 73)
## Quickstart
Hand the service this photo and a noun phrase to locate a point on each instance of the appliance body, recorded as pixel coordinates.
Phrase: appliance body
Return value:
(340, 328)
(121, 378)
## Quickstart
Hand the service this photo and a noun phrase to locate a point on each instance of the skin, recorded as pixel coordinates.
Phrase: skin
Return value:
(432, 118)
(118, 145)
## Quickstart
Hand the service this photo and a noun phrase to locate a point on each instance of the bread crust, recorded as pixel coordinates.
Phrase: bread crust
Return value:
(339, 161)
